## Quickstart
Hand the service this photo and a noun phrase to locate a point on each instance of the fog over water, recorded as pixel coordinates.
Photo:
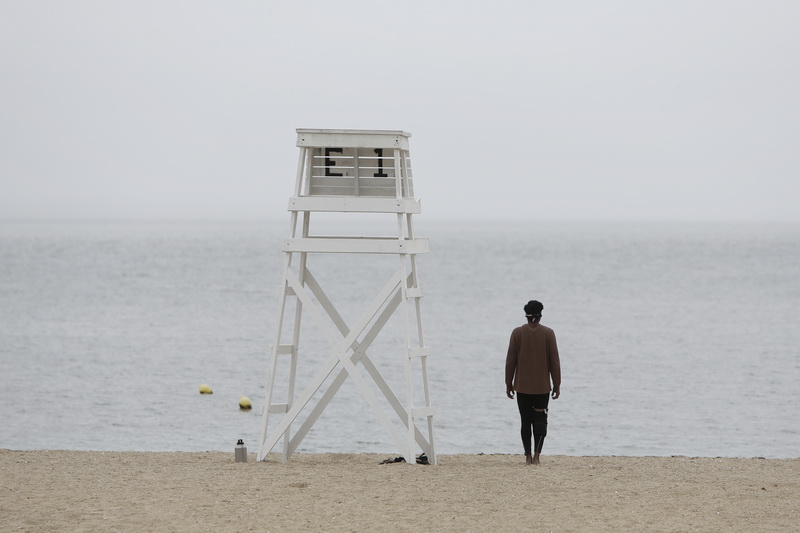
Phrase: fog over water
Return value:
(527, 110)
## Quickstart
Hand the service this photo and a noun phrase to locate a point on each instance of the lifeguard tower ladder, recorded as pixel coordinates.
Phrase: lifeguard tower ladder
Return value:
(350, 171)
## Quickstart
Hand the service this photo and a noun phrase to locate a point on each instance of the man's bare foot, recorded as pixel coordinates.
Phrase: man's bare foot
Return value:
(535, 460)
(528, 460)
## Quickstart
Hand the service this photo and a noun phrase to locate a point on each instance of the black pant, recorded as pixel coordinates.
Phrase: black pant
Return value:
(527, 403)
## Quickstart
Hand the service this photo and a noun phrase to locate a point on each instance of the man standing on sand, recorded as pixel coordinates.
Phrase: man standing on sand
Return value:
(531, 361)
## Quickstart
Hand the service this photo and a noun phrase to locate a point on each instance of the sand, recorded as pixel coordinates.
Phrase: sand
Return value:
(131, 491)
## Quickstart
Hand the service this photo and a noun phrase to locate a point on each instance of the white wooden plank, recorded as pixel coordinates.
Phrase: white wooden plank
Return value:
(352, 138)
(414, 293)
(333, 181)
(351, 186)
(333, 191)
(377, 182)
(356, 245)
(355, 205)
(423, 411)
(419, 352)
(378, 192)
(353, 131)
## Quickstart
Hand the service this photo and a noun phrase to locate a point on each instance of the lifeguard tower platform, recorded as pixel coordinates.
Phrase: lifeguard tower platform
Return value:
(356, 172)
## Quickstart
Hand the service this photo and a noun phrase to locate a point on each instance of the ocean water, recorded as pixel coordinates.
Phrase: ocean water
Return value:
(675, 339)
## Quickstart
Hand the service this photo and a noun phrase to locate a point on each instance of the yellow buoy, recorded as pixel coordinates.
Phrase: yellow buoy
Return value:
(205, 389)
(245, 404)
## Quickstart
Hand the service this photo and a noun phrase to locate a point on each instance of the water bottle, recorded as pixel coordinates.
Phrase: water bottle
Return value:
(241, 452)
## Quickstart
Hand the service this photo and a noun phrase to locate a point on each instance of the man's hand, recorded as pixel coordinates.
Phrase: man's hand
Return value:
(510, 393)
(556, 393)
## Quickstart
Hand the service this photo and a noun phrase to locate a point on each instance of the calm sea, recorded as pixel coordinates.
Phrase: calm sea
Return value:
(675, 339)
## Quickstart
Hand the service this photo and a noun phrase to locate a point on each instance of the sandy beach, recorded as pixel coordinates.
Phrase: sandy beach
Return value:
(131, 491)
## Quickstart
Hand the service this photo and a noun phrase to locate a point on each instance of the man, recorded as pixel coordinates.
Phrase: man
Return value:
(531, 362)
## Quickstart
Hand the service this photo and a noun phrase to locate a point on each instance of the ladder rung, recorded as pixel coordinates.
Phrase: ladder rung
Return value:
(418, 352)
(285, 289)
(415, 292)
(279, 408)
(285, 349)
(423, 411)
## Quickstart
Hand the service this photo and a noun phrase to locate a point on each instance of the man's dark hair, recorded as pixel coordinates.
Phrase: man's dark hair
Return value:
(533, 309)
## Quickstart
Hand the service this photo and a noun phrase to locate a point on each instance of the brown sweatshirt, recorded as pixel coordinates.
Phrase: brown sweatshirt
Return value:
(532, 360)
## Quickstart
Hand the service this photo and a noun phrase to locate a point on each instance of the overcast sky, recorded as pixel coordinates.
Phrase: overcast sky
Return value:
(540, 110)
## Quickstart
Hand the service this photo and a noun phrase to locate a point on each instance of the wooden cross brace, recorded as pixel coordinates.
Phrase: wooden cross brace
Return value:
(388, 299)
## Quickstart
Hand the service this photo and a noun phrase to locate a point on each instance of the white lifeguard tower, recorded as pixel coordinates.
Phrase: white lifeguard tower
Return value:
(356, 172)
